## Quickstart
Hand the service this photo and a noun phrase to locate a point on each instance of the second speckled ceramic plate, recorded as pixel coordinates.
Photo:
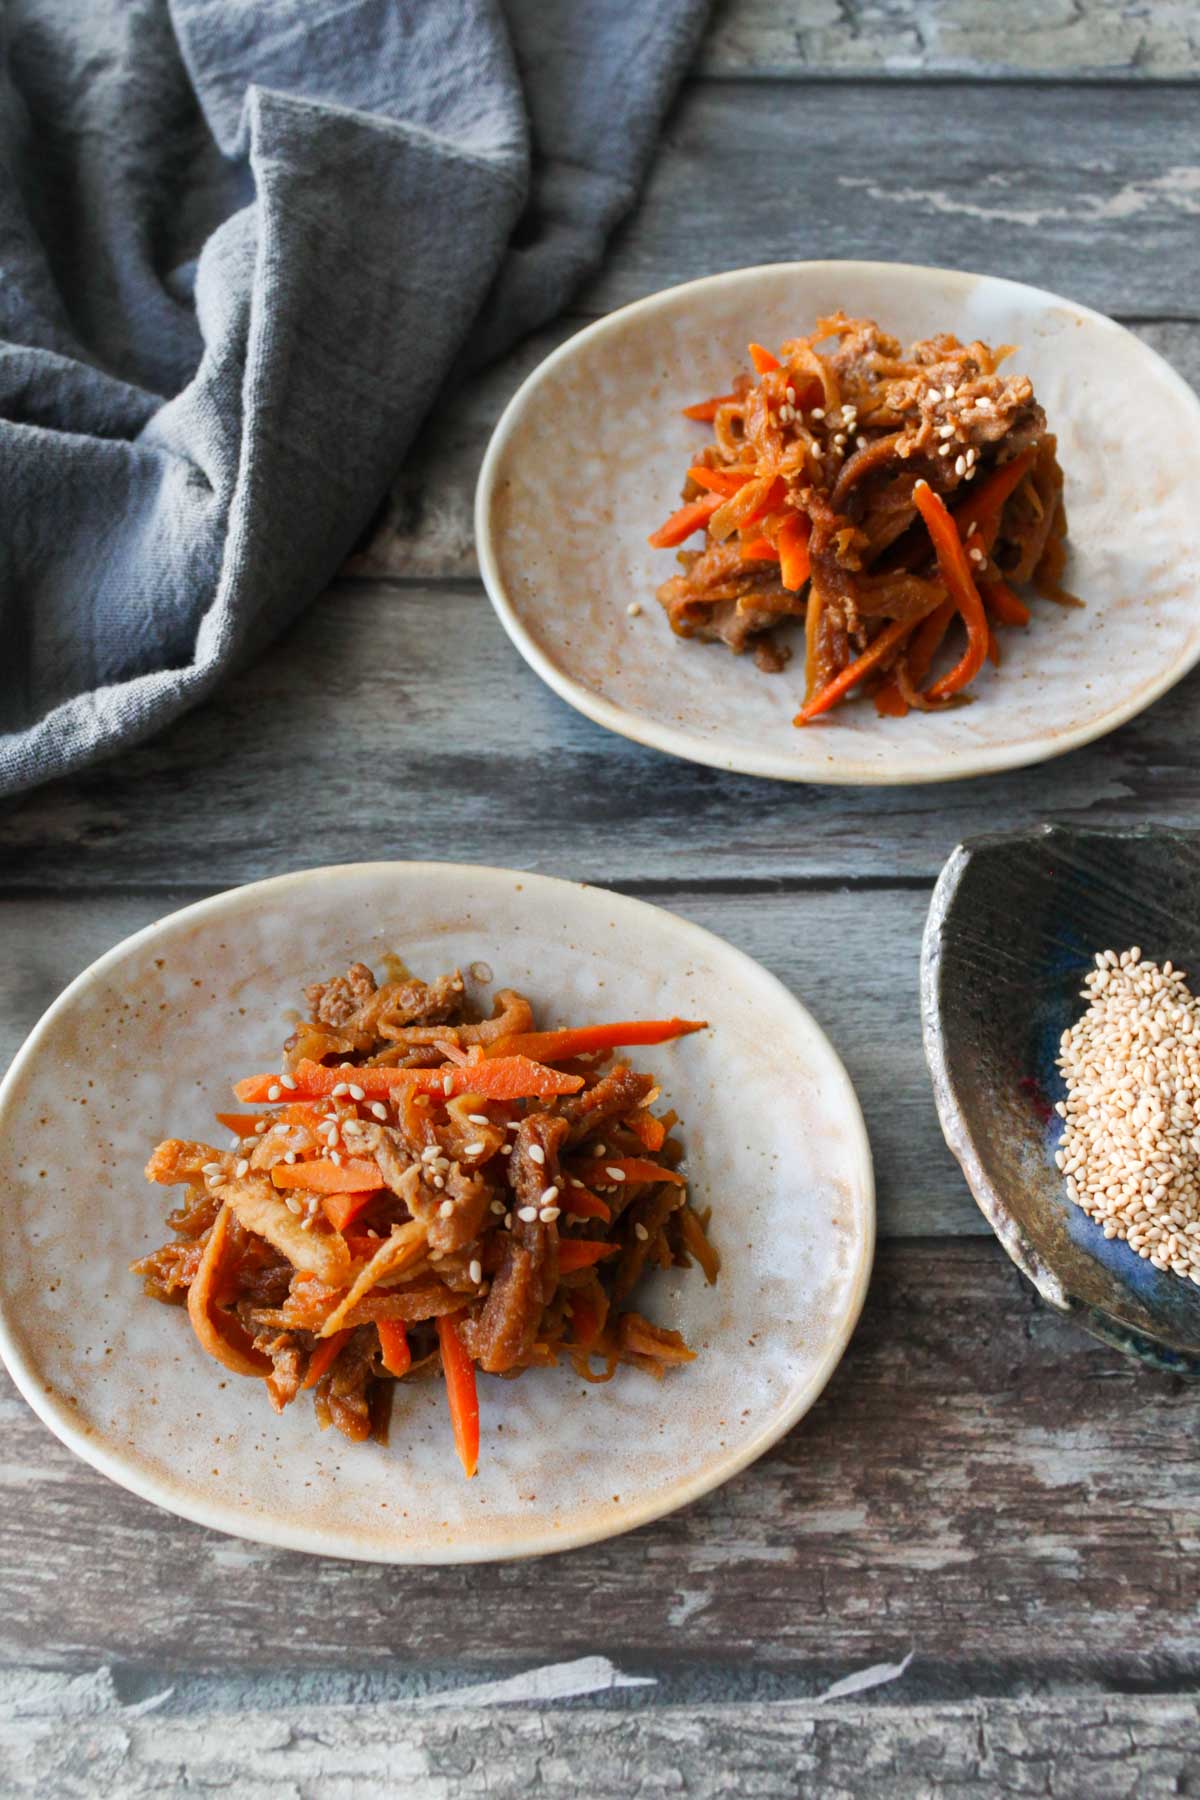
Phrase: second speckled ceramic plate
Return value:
(589, 458)
(144, 1045)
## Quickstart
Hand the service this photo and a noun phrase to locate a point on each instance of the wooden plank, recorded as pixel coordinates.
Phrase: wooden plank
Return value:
(980, 1483)
(81, 1740)
(428, 531)
(1065, 40)
(1039, 182)
(401, 723)
(921, 1191)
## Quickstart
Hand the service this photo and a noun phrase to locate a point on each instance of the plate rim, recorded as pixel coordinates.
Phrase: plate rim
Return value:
(173, 1496)
(776, 765)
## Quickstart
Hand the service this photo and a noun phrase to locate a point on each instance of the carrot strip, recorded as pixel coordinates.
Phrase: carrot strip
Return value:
(229, 1342)
(358, 1176)
(681, 524)
(760, 550)
(720, 481)
(584, 1040)
(956, 573)
(793, 552)
(1003, 603)
(512, 1077)
(342, 1209)
(889, 701)
(581, 1253)
(706, 410)
(461, 1394)
(581, 1203)
(652, 1131)
(632, 1168)
(771, 501)
(243, 1124)
(853, 673)
(762, 359)
(393, 1346)
(323, 1357)
(993, 647)
(990, 495)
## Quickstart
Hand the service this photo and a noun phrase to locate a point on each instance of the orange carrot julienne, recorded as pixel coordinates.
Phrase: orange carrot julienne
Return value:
(889, 701)
(762, 359)
(720, 481)
(759, 550)
(680, 526)
(652, 1131)
(393, 1346)
(581, 1253)
(991, 494)
(462, 1395)
(581, 1203)
(706, 410)
(342, 1209)
(242, 1124)
(322, 1176)
(500, 1078)
(584, 1040)
(853, 673)
(955, 571)
(323, 1357)
(631, 1168)
(793, 552)
(1000, 600)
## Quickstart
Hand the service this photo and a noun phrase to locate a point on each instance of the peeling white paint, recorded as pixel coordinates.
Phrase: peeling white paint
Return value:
(858, 1683)
(1177, 187)
(555, 1681)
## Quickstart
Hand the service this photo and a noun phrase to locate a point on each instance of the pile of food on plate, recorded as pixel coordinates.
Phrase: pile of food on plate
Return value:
(893, 500)
(417, 1189)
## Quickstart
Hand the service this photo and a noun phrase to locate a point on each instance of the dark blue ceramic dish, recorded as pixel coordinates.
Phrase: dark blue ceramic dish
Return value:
(1013, 925)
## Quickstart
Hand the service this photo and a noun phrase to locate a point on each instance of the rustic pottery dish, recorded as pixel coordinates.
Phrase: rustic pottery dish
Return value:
(144, 1042)
(1013, 926)
(587, 460)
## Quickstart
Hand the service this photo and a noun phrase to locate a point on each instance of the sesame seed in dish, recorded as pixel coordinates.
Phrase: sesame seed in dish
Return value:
(1130, 1146)
(367, 1225)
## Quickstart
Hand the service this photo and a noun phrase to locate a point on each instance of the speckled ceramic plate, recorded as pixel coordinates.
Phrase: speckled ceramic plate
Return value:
(143, 1045)
(589, 457)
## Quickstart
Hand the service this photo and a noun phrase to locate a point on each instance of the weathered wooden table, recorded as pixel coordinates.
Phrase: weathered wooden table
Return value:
(981, 1485)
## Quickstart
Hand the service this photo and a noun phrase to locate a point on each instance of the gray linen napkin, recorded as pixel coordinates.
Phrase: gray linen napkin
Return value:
(242, 245)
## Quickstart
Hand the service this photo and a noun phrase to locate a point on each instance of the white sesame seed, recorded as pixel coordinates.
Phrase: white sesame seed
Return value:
(945, 431)
(790, 394)
(274, 1092)
(960, 465)
(356, 1093)
(948, 392)
(498, 1207)
(983, 403)
(548, 1214)
(527, 1214)
(634, 609)
(479, 1119)
(241, 1167)
(599, 1150)
(438, 1182)
(378, 1110)
(474, 1149)
(339, 1090)
(213, 1168)
(613, 1173)
(335, 1157)
(945, 450)
(447, 1085)
(506, 1149)
(446, 1209)
(537, 1154)
(475, 1270)
(640, 1232)
(289, 1156)
(575, 1181)
(262, 1124)
(818, 412)
(289, 1082)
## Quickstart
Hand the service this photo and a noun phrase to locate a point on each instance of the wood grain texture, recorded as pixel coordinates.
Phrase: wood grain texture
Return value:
(80, 1740)
(980, 1483)
(921, 1191)
(1051, 39)
(427, 529)
(1092, 193)
(419, 732)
